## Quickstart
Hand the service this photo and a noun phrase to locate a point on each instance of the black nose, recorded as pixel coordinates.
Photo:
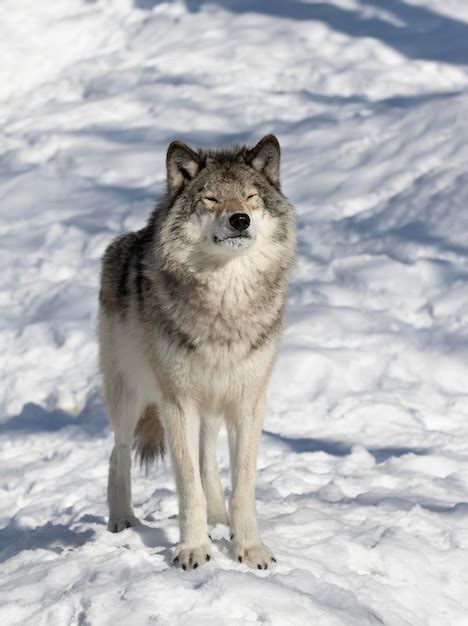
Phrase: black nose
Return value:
(239, 221)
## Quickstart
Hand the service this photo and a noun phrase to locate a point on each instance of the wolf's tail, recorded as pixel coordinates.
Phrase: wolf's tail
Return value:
(149, 437)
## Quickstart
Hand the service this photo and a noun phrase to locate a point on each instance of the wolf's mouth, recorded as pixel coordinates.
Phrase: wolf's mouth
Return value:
(229, 237)
(234, 241)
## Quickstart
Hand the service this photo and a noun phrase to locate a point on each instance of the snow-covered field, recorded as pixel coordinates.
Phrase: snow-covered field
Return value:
(363, 475)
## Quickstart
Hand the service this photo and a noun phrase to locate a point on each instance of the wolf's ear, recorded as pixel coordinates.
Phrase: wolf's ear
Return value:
(265, 158)
(182, 164)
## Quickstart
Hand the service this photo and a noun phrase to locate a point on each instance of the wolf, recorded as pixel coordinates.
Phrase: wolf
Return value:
(190, 317)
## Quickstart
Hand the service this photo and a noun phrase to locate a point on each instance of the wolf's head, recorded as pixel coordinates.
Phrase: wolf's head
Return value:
(222, 204)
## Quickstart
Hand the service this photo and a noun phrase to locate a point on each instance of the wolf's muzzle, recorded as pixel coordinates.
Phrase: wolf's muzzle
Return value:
(239, 221)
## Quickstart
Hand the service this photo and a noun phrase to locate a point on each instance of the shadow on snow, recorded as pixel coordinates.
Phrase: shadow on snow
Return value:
(52, 537)
(414, 31)
(92, 420)
(339, 448)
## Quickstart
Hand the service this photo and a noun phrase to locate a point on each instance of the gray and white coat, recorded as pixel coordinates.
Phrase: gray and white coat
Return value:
(191, 311)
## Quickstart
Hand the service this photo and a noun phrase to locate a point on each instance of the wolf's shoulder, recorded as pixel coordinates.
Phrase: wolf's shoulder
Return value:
(120, 249)
(120, 258)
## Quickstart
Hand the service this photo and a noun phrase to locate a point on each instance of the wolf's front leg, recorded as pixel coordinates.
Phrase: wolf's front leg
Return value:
(209, 472)
(244, 430)
(182, 426)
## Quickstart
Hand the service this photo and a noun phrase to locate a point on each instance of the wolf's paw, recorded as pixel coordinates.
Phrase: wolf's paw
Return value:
(257, 556)
(190, 558)
(116, 524)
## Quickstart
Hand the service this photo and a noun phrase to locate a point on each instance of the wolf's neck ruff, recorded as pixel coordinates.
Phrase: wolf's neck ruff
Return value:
(236, 304)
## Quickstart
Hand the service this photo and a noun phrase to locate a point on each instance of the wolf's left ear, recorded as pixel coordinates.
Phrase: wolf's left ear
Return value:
(265, 158)
(182, 165)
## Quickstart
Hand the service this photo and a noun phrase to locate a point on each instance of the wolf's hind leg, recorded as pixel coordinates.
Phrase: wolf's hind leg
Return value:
(124, 411)
(211, 482)
(119, 492)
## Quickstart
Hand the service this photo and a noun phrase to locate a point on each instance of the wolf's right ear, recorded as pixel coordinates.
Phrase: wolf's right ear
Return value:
(182, 164)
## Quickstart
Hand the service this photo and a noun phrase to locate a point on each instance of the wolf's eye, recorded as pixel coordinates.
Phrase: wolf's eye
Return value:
(252, 195)
(210, 199)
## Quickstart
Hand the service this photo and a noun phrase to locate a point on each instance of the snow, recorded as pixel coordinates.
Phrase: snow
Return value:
(363, 476)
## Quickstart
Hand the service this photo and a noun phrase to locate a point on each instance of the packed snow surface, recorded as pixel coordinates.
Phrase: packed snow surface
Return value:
(363, 480)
